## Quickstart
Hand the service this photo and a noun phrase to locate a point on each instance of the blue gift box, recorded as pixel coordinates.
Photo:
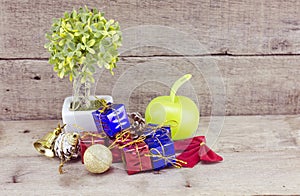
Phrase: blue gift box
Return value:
(114, 119)
(154, 130)
(96, 115)
(162, 151)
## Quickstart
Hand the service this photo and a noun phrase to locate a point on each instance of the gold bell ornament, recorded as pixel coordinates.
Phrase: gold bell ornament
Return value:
(60, 144)
(45, 145)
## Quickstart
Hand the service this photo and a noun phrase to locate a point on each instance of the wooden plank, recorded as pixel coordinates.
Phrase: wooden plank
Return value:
(261, 156)
(241, 173)
(220, 86)
(234, 27)
(253, 85)
(255, 134)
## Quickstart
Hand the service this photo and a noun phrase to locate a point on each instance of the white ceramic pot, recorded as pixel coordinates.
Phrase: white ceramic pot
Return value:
(78, 121)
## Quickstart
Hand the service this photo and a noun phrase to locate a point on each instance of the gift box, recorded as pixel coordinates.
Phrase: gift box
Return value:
(121, 139)
(96, 115)
(116, 153)
(152, 130)
(114, 119)
(88, 139)
(162, 151)
(135, 158)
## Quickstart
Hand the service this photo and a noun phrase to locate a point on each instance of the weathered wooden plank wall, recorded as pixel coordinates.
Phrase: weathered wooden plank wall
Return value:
(255, 45)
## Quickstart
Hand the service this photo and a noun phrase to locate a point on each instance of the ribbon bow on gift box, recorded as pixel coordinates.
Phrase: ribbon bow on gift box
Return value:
(169, 160)
(195, 150)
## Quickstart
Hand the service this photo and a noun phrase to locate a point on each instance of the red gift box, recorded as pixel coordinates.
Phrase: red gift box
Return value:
(123, 137)
(116, 151)
(134, 158)
(114, 145)
(88, 139)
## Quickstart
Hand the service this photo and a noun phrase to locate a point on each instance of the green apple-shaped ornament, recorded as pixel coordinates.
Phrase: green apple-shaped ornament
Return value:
(180, 112)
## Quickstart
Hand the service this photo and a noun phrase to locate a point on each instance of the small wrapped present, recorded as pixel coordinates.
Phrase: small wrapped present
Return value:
(162, 151)
(96, 115)
(116, 152)
(121, 139)
(113, 118)
(88, 139)
(135, 157)
(154, 130)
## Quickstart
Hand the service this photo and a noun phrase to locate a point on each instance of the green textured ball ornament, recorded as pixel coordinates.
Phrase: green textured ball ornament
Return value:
(97, 158)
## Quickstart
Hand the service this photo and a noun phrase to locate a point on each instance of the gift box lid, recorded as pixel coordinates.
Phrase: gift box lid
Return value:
(154, 130)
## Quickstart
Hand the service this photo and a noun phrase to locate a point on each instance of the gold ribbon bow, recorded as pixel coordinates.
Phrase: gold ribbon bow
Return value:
(135, 142)
(120, 138)
(159, 126)
(166, 123)
(104, 104)
(138, 140)
(168, 159)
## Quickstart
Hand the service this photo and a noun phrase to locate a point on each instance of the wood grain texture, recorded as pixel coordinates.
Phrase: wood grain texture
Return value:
(220, 85)
(223, 27)
(261, 156)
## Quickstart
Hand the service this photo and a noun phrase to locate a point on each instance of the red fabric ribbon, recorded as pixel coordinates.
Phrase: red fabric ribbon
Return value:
(195, 150)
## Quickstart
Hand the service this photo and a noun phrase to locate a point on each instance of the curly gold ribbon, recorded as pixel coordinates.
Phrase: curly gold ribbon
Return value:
(120, 138)
(138, 140)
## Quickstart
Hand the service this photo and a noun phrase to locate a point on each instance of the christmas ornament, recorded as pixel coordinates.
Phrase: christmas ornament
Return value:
(180, 109)
(137, 123)
(97, 158)
(46, 145)
(66, 147)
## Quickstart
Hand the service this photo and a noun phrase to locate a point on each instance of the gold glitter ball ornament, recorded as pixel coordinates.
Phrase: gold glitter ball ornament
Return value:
(97, 158)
